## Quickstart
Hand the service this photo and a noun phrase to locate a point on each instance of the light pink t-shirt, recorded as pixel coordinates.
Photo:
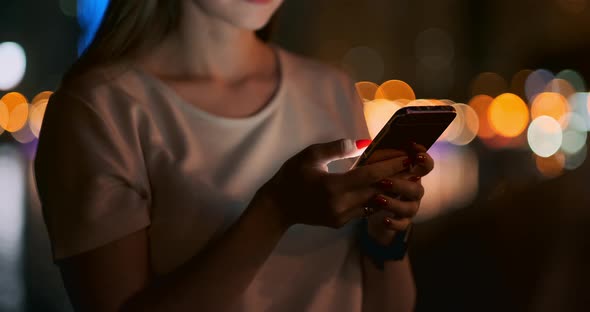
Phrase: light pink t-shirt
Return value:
(120, 151)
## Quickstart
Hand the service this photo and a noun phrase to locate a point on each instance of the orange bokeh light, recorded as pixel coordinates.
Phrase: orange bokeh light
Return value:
(488, 83)
(550, 104)
(481, 104)
(366, 90)
(394, 90)
(15, 113)
(550, 166)
(508, 115)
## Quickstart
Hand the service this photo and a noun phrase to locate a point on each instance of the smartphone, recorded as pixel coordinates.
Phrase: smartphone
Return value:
(422, 125)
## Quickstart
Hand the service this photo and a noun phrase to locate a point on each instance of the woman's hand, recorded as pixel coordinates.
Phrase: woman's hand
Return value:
(401, 192)
(304, 192)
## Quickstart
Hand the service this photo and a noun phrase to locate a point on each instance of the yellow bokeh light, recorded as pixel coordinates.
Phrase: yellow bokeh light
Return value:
(395, 90)
(43, 96)
(480, 105)
(508, 115)
(18, 111)
(366, 90)
(377, 113)
(4, 116)
(550, 104)
(550, 166)
(36, 116)
(469, 120)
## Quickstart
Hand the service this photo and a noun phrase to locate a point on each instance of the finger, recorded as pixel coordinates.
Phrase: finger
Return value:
(356, 201)
(406, 188)
(397, 224)
(400, 208)
(370, 174)
(384, 154)
(423, 165)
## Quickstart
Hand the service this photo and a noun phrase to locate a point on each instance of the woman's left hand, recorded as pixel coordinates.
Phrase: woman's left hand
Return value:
(402, 193)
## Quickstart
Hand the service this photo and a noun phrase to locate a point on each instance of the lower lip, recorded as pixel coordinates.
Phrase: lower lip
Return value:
(260, 1)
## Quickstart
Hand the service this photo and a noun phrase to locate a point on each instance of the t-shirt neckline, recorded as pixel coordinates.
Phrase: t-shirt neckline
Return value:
(262, 113)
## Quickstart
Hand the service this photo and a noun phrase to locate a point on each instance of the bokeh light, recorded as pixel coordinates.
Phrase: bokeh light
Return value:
(544, 136)
(560, 86)
(68, 7)
(579, 105)
(17, 110)
(435, 48)
(551, 166)
(37, 111)
(13, 64)
(536, 83)
(574, 78)
(508, 115)
(395, 90)
(480, 105)
(453, 182)
(364, 63)
(366, 90)
(377, 113)
(550, 104)
(518, 82)
(488, 83)
(90, 14)
(573, 161)
(469, 124)
(574, 135)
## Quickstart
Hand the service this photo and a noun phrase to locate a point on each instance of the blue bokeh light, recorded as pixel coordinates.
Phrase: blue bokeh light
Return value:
(90, 14)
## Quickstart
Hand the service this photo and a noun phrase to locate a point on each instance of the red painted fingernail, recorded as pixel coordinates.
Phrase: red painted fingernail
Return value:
(387, 221)
(385, 184)
(421, 159)
(415, 179)
(363, 143)
(380, 200)
(407, 162)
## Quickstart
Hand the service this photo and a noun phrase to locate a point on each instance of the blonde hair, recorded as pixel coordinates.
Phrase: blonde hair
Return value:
(130, 27)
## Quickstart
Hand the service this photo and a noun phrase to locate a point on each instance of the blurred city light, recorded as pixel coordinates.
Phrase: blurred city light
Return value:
(12, 221)
(544, 136)
(13, 64)
(551, 166)
(574, 78)
(90, 14)
(550, 104)
(364, 63)
(536, 83)
(481, 104)
(395, 90)
(508, 115)
(488, 83)
(366, 90)
(377, 113)
(466, 125)
(14, 112)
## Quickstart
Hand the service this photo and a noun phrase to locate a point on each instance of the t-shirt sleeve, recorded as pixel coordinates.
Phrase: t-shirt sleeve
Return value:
(90, 173)
(361, 131)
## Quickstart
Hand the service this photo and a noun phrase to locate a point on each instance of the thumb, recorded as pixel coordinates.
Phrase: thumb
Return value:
(325, 153)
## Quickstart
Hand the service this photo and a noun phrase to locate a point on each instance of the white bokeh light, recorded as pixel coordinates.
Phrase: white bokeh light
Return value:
(574, 136)
(13, 64)
(544, 136)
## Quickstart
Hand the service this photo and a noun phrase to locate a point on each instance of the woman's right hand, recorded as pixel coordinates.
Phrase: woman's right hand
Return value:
(304, 192)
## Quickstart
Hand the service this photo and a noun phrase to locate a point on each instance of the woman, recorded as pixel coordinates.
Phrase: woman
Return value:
(182, 166)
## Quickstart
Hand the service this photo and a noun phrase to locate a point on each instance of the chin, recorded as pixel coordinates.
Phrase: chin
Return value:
(246, 14)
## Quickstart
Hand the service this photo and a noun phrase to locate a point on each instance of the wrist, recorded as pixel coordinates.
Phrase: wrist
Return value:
(265, 205)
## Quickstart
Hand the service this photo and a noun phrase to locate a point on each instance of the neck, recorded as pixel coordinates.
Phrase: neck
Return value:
(204, 47)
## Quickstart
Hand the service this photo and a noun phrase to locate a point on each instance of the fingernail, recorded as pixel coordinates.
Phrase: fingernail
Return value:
(380, 200)
(415, 179)
(387, 221)
(407, 162)
(363, 143)
(421, 159)
(385, 184)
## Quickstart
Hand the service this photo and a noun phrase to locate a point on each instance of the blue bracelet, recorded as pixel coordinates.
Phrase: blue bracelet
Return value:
(378, 253)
